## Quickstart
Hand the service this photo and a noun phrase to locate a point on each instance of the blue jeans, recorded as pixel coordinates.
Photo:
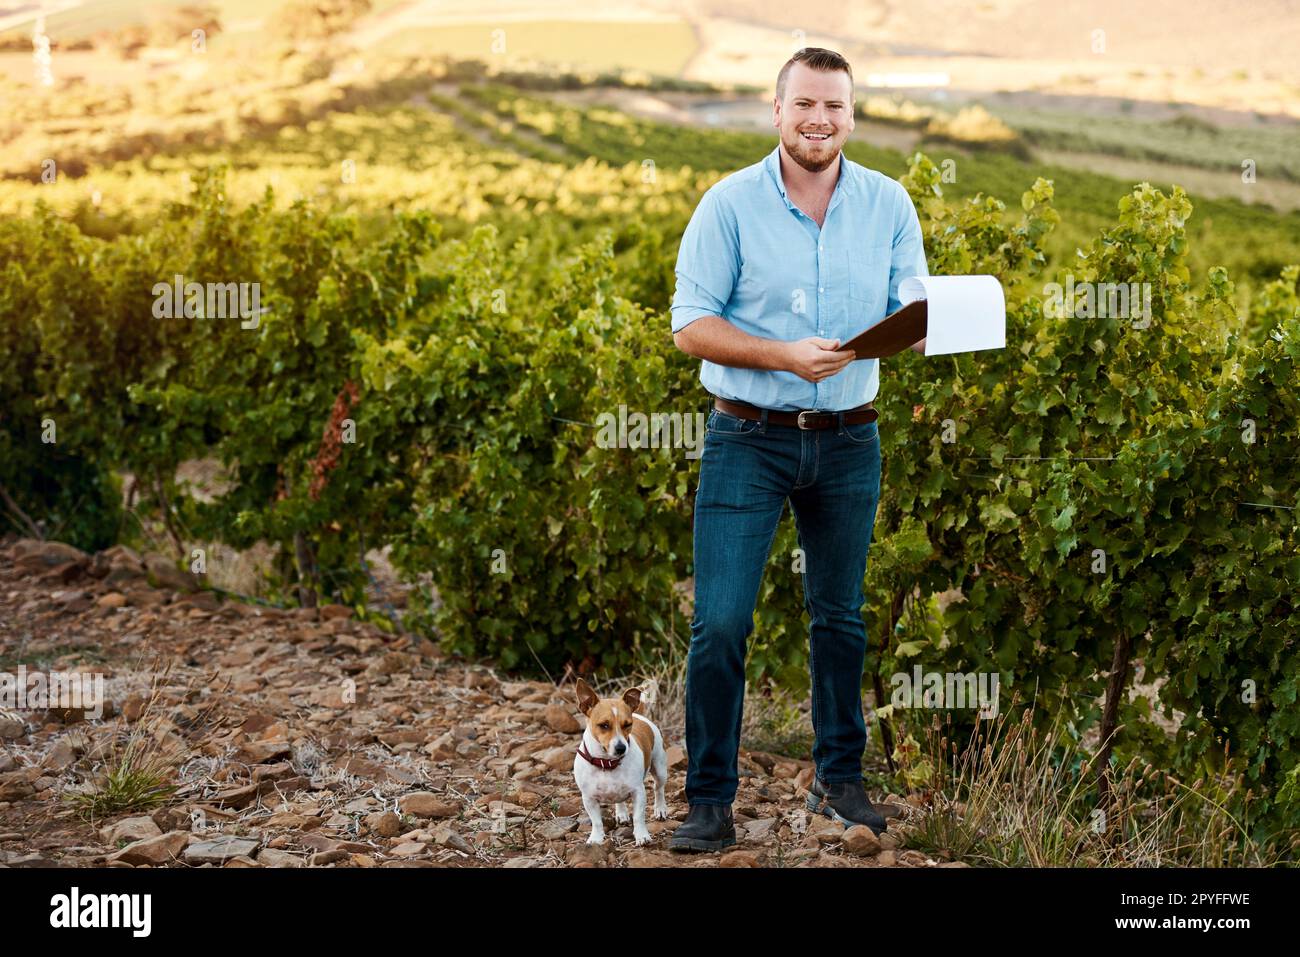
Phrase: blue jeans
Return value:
(747, 471)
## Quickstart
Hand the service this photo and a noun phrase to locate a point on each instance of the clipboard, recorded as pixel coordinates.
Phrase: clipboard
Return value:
(891, 335)
(953, 314)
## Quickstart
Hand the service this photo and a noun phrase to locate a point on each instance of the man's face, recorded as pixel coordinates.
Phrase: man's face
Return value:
(815, 103)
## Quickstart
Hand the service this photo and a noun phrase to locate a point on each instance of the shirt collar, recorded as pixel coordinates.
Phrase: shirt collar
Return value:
(843, 185)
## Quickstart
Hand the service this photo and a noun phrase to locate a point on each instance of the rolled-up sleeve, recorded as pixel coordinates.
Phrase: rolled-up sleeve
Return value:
(908, 257)
(708, 262)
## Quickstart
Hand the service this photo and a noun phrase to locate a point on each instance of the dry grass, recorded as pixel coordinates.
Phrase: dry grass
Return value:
(1018, 797)
(140, 761)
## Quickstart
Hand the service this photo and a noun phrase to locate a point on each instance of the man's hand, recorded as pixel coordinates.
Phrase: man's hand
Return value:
(815, 359)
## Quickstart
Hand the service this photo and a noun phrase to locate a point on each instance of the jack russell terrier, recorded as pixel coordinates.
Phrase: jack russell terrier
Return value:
(617, 749)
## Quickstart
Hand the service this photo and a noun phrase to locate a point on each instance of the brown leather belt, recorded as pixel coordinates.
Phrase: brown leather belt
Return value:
(807, 419)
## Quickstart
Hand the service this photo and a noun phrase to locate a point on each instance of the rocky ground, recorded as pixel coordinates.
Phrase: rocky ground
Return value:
(304, 738)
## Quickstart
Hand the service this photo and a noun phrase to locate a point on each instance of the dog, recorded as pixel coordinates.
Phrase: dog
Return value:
(617, 749)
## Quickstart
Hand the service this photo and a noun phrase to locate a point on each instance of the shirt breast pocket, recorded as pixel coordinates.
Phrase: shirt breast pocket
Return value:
(869, 275)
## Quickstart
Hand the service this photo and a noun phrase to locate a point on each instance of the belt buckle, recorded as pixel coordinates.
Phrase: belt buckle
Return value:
(799, 419)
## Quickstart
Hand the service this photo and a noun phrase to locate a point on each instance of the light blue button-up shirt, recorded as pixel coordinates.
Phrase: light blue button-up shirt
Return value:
(752, 257)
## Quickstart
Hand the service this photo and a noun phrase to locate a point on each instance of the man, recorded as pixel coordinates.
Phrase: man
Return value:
(781, 262)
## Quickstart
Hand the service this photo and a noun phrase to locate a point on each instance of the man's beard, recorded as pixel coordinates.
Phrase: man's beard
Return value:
(799, 152)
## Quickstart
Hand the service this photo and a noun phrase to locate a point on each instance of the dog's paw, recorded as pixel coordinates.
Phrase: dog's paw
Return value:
(621, 816)
(661, 813)
(642, 837)
(596, 839)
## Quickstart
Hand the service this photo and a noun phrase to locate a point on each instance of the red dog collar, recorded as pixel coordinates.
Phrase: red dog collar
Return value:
(605, 764)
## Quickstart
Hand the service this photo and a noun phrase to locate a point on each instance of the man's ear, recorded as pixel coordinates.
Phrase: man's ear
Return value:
(632, 698)
(586, 697)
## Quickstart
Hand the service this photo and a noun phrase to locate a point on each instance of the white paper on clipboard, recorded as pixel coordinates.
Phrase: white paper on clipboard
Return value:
(964, 313)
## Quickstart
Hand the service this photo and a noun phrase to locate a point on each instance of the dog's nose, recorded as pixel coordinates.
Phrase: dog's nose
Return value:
(620, 748)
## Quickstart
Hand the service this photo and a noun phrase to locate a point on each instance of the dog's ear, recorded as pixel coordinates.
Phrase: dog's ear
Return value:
(632, 698)
(586, 697)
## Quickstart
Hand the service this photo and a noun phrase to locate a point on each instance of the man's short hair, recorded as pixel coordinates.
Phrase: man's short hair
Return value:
(815, 58)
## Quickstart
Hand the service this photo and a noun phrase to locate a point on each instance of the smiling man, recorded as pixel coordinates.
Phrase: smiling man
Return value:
(781, 263)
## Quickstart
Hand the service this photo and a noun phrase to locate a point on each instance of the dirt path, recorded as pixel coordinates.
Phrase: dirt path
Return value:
(306, 738)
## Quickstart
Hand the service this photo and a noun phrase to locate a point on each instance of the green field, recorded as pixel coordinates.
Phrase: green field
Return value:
(1184, 140)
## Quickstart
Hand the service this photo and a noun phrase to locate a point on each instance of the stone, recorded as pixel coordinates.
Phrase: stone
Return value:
(589, 854)
(15, 785)
(121, 556)
(25, 860)
(441, 748)
(133, 707)
(861, 840)
(385, 824)
(221, 849)
(739, 859)
(329, 612)
(170, 819)
(62, 755)
(513, 690)
(426, 804)
(445, 836)
(53, 554)
(255, 723)
(374, 771)
(529, 799)
(556, 828)
(154, 851)
(261, 752)
(113, 599)
(163, 573)
(203, 600)
(122, 576)
(318, 842)
(557, 759)
(641, 857)
(144, 598)
(321, 858)
(825, 830)
(560, 719)
(130, 829)
(238, 798)
(272, 772)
